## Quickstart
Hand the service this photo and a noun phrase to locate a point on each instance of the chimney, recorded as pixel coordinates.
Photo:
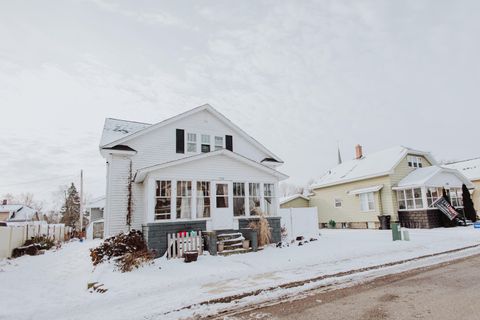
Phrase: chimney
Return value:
(358, 151)
(4, 202)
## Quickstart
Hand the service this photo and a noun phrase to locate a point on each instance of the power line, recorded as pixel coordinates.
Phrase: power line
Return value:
(37, 181)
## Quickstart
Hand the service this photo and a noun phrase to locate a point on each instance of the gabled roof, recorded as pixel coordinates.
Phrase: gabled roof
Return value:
(470, 168)
(369, 166)
(119, 131)
(293, 197)
(142, 173)
(431, 177)
(18, 212)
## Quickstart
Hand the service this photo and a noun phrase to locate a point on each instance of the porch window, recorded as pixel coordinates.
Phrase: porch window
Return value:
(238, 199)
(456, 197)
(203, 199)
(205, 143)
(184, 199)
(409, 199)
(432, 195)
(222, 195)
(163, 197)
(218, 143)
(192, 142)
(254, 198)
(367, 201)
(268, 194)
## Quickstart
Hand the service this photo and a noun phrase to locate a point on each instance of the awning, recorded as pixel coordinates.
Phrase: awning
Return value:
(365, 190)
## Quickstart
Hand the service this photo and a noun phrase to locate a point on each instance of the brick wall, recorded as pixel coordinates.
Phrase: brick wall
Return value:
(156, 233)
(425, 219)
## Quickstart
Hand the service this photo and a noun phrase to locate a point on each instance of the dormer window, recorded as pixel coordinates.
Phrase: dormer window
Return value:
(218, 143)
(205, 143)
(414, 162)
(192, 142)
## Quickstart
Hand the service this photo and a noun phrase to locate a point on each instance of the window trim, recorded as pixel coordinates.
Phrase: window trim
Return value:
(335, 203)
(361, 195)
(192, 142)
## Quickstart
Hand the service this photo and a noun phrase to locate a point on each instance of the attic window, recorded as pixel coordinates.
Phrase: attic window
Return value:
(218, 143)
(205, 143)
(191, 142)
(414, 162)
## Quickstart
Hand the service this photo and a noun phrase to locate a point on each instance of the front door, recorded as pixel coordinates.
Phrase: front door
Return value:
(222, 215)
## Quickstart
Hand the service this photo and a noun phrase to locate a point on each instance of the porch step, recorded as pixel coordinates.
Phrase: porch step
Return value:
(234, 251)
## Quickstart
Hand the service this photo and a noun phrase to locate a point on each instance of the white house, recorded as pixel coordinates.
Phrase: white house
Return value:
(196, 170)
(18, 213)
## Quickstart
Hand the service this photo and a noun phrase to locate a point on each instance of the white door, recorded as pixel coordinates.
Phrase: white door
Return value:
(222, 215)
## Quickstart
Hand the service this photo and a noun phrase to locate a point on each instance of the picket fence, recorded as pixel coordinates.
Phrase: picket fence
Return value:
(15, 235)
(179, 243)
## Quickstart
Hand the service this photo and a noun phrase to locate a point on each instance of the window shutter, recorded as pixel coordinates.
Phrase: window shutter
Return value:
(229, 142)
(180, 141)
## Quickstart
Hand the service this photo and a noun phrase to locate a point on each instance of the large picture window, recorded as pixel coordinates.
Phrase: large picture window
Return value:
(268, 192)
(203, 199)
(184, 199)
(238, 199)
(254, 198)
(222, 195)
(367, 201)
(409, 199)
(456, 197)
(163, 196)
(432, 195)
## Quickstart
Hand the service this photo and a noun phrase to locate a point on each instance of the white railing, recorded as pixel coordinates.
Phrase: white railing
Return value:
(179, 243)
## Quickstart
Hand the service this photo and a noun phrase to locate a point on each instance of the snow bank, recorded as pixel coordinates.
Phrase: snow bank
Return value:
(55, 285)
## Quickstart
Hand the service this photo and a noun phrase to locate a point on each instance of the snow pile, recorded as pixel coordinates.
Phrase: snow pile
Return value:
(54, 285)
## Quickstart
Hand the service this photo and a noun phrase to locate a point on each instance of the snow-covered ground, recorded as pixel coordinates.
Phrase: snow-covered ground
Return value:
(54, 285)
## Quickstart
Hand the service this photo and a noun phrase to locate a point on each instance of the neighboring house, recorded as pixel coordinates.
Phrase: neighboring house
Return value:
(95, 228)
(18, 213)
(471, 169)
(295, 201)
(399, 182)
(194, 171)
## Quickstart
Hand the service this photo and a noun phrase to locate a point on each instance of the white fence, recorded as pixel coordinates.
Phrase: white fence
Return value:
(300, 222)
(179, 243)
(15, 235)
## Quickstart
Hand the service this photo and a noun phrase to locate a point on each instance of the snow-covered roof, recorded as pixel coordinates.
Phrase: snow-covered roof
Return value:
(469, 168)
(369, 166)
(115, 129)
(293, 197)
(97, 203)
(141, 174)
(117, 132)
(434, 176)
(18, 212)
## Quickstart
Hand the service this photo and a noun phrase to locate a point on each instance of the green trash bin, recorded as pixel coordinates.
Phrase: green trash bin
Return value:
(396, 234)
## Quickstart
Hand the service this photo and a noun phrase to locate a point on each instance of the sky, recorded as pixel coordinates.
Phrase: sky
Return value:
(299, 76)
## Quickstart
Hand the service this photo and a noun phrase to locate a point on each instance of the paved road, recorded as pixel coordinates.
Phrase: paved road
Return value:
(450, 291)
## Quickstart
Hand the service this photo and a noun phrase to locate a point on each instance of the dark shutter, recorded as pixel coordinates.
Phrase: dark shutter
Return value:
(229, 143)
(180, 141)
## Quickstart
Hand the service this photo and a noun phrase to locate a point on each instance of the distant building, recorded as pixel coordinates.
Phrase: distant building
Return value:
(295, 201)
(400, 182)
(17, 213)
(471, 169)
(95, 209)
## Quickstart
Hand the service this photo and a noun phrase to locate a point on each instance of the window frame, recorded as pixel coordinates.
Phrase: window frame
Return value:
(192, 142)
(216, 145)
(200, 184)
(368, 202)
(205, 143)
(237, 196)
(337, 201)
(166, 196)
(180, 197)
(252, 198)
(415, 161)
(268, 193)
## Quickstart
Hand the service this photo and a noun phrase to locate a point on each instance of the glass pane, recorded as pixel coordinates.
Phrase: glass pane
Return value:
(238, 189)
(417, 193)
(254, 189)
(192, 137)
(239, 206)
(409, 194)
(401, 195)
(192, 147)
(402, 205)
(205, 138)
(418, 203)
(162, 209)
(222, 195)
(219, 141)
(268, 205)
(268, 190)
(410, 204)
(184, 208)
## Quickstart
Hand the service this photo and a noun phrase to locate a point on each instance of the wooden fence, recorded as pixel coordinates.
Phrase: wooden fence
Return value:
(179, 243)
(15, 235)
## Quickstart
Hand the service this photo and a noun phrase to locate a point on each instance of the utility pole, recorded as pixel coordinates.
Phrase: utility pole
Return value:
(81, 203)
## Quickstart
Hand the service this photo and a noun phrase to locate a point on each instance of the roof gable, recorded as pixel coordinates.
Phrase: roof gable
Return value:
(434, 176)
(470, 168)
(369, 166)
(123, 132)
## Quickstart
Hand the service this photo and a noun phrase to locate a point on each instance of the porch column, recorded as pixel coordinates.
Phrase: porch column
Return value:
(194, 199)
(247, 200)
(173, 204)
(424, 197)
(150, 200)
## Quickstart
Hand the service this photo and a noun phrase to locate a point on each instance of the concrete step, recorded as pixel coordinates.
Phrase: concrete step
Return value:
(235, 251)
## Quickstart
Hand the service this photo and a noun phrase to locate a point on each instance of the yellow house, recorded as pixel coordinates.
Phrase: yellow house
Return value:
(471, 169)
(389, 182)
(295, 201)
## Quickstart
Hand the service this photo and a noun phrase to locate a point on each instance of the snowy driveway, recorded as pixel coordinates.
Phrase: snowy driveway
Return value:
(54, 286)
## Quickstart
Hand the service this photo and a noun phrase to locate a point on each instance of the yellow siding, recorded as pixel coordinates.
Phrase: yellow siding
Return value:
(350, 211)
(295, 203)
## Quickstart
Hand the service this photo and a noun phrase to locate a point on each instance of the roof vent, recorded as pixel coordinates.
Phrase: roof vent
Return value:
(4, 202)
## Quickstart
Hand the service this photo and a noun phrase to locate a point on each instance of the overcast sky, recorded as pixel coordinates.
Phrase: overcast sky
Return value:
(296, 75)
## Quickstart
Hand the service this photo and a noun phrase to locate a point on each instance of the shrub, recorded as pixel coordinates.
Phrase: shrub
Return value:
(263, 229)
(128, 250)
(41, 242)
(332, 224)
